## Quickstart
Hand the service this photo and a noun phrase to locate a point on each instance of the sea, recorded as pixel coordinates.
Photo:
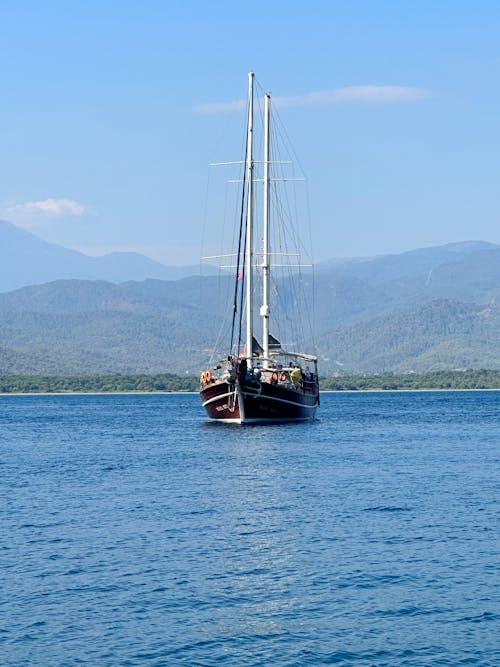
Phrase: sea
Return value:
(134, 533)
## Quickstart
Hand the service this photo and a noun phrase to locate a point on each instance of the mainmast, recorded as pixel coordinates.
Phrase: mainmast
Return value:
(249, 230)
(264, 310)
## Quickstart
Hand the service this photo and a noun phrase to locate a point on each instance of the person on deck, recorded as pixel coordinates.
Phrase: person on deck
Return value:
(242, 370)
(296, 377)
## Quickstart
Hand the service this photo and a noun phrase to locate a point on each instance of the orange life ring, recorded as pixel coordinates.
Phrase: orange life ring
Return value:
(274, 377)
(208, 376)
(283, 377)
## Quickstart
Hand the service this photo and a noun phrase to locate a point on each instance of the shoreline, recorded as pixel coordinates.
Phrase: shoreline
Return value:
(97, 393)
(195, 393)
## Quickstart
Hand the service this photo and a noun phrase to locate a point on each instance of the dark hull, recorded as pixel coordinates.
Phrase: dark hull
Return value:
(221, 402)
(258, 403)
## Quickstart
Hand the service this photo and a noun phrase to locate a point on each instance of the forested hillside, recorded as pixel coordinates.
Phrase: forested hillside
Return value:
(442, 334)
(436, 308)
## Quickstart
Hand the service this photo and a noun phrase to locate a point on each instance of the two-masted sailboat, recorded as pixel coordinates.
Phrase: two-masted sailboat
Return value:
(258, 383)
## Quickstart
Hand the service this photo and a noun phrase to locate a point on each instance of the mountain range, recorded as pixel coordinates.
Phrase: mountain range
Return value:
(27, 259)
(427, 309)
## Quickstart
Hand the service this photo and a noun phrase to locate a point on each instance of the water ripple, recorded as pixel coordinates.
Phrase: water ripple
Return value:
(134, 534)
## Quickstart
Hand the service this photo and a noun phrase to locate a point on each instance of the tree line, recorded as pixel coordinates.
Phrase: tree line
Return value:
(169, 382)
(50, 384)
(465, 379)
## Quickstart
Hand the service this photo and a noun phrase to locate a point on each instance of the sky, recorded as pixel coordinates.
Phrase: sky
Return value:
(110, 113)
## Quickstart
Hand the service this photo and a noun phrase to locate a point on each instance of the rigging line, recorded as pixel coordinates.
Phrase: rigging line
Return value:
(283, 139)
(280, 130)
(310, 303)
(240, 273)
(205, 216)
(297, 288)
(302, 287)
(286, 141)
(242, 294)
(291, 295)
(221, 336)
(224, 217)
(284, 207)
(238, 260)
(308, 218)
(202, 241)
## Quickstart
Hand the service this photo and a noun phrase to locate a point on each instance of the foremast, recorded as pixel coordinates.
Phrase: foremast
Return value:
(249, 251)
(249, 227)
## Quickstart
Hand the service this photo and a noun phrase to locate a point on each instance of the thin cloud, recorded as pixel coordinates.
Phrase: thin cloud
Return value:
(34, 213)
(386, 94)
(366, 94)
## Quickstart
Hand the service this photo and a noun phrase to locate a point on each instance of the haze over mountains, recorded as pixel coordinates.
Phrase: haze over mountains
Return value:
(426, 309)
(26, 259)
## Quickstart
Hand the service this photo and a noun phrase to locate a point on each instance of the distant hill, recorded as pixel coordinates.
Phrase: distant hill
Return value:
(28, 260)
(434, 308)
(439, 335)
(63, 326)
(421, 261)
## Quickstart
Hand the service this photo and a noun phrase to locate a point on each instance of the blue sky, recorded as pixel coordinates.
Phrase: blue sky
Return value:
(105, 139)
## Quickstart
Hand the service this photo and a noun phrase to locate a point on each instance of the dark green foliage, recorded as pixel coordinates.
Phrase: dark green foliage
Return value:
(468, 379)
(168, 382)
(83, 327)
(436, 336)
(50, 384)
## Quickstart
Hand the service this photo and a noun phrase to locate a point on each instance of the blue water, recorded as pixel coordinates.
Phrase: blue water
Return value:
(134, 533)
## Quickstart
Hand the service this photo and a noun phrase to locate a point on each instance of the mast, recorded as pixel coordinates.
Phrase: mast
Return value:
(249, 230)
(264, 310)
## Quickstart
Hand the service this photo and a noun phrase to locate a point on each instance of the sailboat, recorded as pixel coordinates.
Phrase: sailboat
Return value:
(258, 383)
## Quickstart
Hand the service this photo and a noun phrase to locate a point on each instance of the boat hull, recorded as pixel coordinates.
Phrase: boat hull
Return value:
(258, 403)
(222, 402)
